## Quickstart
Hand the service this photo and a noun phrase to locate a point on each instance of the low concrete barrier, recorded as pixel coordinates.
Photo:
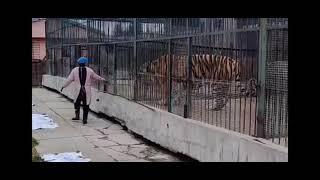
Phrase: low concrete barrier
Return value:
(198, 140)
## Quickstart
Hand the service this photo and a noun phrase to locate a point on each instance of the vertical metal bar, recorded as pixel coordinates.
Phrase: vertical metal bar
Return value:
(87, 28)
(107, 66)
(99, 64)
(261, 78)
(250, 104)
(115, 69)
(187, 25)
(170, 26)
(61, 31)
(170, 68)
(169, 77)
(256, 101)
(282, 93)
(189, 73)
(135, 88)
(275, 90)
(245, 56)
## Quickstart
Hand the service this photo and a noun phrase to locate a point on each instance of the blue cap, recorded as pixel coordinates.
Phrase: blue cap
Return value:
(83, 60)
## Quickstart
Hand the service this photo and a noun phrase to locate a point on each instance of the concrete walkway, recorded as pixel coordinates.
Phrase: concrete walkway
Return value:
(100, 140)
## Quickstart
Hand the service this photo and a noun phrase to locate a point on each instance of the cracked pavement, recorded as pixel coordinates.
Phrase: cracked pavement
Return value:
(101, 140)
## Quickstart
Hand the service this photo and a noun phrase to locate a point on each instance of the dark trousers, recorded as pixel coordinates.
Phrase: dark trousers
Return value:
(82, 98)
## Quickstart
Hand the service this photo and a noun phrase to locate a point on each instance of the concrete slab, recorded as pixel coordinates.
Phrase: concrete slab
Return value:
(84, 130)
(136, 160)
(59, 105)
(108, 131)
(138, 151)
(118, 156)
(63, 129)
(60, 132)
(120, 148)
(123, 139)
(115, 127)
(65, 113)
(60, 145)
(99, 123)
(100, 141)
(74, 144)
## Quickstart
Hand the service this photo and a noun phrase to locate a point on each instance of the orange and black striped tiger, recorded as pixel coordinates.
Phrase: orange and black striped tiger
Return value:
(214, 67)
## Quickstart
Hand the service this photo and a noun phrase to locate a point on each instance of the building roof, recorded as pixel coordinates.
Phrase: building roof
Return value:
(38, 19)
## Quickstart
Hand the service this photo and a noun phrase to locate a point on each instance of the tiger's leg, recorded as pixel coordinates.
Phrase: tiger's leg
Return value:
(221, 95)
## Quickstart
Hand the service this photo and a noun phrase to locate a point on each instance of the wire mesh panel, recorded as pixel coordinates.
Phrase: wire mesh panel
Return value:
(94, 61)
(152, 28)
(221, 74)
(74, 31)
(38, 69)
(110, 29)
(179, 49)
(75, 54)
(49, 67)
(277, 83)
(152, 73)
(66, 61)
(58, 63)
(106, 67)
(53, 32)
(124, 70)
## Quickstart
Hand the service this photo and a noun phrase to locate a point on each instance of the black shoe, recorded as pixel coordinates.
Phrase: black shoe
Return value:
(77, 115)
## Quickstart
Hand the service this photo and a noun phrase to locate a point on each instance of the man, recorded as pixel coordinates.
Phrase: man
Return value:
(83, 77)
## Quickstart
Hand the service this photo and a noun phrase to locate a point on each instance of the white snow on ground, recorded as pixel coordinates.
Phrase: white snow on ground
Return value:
(65, 157)
(42, 121)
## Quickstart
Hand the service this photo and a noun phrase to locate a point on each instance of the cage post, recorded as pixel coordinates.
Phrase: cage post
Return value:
(115, 69)
(261, 124)
(62, 31)
(170, 26)
(87, 32)
(99, 64)
(135, 88)
(169, 77)
(187, 25)
(187, 107)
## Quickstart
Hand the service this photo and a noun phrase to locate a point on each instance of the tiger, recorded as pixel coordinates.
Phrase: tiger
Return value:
(218, 68)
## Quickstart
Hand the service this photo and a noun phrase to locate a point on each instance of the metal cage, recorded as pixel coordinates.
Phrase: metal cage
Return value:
(227, 72)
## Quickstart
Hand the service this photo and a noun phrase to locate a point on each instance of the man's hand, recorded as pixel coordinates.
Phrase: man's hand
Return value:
(61, 89)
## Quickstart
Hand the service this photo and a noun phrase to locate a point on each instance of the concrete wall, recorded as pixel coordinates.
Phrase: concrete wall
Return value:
(198, 140)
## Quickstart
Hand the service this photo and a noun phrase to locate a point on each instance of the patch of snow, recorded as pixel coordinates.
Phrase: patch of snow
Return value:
(42, 121)
(65, 157)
